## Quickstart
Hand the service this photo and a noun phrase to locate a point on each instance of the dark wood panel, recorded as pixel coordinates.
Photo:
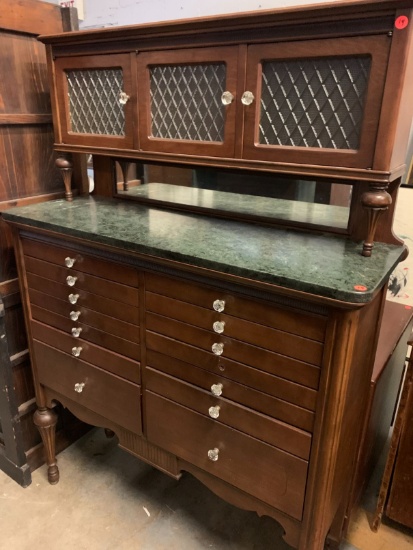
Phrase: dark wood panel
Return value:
(84, 281)
(30, 169)
(278, 434)
(44, 18)
(25, 90)
(282, 343)
(86, 264)
(107, 306)
(289, 320)
(88, 317)
(90, 334)
(104, 393)
(271, 475)
(278, 365)
(259, 401)
(23, 118)
(105, 359)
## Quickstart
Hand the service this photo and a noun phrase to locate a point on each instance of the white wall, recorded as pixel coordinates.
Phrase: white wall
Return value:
(103, 13)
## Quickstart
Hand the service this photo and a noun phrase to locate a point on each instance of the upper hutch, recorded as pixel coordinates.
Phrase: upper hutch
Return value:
(223, 319)
(320, 92)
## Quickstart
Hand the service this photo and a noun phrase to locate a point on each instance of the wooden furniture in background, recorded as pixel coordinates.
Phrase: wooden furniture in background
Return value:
(27, 175)
(395, 500)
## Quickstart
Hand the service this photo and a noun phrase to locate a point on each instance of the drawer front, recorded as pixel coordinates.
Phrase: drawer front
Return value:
(103, 358)
(87, 333)
(301, 323)
(267, 473)
(105, 394)
(275, 407)
(83, 281)
(84, 263)
(248, 376)
(278, 434)
(86, 316)
(107, 306)
(267, 362)
(249, 335)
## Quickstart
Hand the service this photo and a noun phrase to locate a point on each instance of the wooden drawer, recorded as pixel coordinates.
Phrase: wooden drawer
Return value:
(248, 376)
(90, 334)
(250, 333)
(301, 323)
(267, 362)
(103, 358)
(84, 281)
(267, 404)
(103, 393)
(84, 263)
(278, 434)
(269, 474)
(114, 326)
(107, 306)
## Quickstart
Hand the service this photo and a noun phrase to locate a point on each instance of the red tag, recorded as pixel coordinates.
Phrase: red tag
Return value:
(407, 307)
(360, 288)
(401, 22)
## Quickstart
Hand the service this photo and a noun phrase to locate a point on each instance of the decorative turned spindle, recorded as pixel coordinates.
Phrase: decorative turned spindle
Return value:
(45, 420)
(66, 168)
(124, 166)
(375, 201)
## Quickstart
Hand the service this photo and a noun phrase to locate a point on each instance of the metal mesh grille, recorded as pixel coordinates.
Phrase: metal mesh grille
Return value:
(314, 102)
(94, 101)
(186, 101)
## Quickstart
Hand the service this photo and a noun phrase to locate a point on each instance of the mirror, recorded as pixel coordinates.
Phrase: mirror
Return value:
(268, 198)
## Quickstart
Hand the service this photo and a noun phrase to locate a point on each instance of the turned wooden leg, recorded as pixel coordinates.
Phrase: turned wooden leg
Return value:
(66, 168)
(45, 420)
(375, 201)
(124, 166)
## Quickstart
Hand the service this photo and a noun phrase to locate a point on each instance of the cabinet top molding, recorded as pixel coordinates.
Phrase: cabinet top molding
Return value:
(236, 22)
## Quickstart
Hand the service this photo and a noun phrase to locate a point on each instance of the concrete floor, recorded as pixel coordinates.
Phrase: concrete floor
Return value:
(107, 499)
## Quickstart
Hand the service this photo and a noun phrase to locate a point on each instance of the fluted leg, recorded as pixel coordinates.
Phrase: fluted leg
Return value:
(45, 420)
(124, 166)
(66, 169)
(375, 202)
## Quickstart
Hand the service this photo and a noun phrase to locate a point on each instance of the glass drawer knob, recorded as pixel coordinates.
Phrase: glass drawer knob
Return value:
(213, 454)
(227, 98)
(219, 326)
(219, 305)
(69, 262)
(214, 411)
(74, 315)
(247, 98)
(70, 280)
(123, 98)
(216, 390)
(76, 331)
(76, 351)
(218, 348)
(79, 387)
(73, 298)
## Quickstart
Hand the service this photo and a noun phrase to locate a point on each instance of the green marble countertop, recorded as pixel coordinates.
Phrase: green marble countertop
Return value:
(325, 265)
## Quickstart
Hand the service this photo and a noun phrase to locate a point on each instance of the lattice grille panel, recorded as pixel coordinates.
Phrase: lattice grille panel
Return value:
(314, 102)
(94, 101)
(186, 102)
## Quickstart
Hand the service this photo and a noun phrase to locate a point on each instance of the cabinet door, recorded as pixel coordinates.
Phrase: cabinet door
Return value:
(315, 102)
(187, 101)
(95, 98)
